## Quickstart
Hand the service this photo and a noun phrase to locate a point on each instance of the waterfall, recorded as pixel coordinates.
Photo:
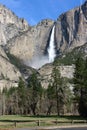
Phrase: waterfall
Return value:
(51, 49)
(38, 61)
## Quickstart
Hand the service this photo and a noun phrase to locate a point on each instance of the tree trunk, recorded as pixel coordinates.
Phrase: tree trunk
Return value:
(3, 104)
(49, 109)
(33, 108)
(58, 108)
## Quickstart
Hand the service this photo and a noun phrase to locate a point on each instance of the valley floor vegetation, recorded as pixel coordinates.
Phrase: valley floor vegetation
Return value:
(58, 99)
(23, 121)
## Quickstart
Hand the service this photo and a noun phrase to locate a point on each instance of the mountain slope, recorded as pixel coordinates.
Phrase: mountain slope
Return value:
(32, 43)
(70, 32)
(10, 25)
(71, 28)
(23, 44)
(9, 74)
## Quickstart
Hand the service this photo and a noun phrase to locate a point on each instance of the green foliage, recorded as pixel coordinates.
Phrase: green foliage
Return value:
(78, 76)
(69, 58)
(21, 84)
(21, 89)
(35, 85)
(80, 85)
(11, 91)
(21, 92)
(36, 90)
(50, 97)
(59, 85)
(50, 92)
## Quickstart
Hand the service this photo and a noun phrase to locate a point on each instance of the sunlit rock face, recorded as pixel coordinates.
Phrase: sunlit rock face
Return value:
(70, 32)
(10, 25)
(9, 74)
(65, 71)
(30, 46)
(71, 28)
(30, 43)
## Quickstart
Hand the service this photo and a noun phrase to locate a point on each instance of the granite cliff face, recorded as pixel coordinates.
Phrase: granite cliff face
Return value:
(71, 31)
(10, 25)
(71, 28)
(65, 71)
(9, 74)
(29, 43)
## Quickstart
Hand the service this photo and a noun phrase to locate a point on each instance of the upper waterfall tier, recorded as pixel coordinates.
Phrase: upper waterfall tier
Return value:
(51, 48)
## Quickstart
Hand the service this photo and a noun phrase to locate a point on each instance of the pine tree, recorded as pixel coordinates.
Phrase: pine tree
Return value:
(83, 98)
(51, 98)
(80, 85)
(21, 95)
(35, 90)
(78, 76)
(59, 85)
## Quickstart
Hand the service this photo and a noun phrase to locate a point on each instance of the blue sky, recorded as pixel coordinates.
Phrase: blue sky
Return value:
(36, 10)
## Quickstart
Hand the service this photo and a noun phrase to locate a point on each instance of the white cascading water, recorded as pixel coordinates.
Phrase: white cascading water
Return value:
(51, 48)
(39, 61)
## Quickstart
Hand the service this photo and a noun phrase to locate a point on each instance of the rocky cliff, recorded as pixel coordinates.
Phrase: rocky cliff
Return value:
(9, 74)
(10, 25)
(71, 31)
(66, 71)
(29, 43)
(71, 28)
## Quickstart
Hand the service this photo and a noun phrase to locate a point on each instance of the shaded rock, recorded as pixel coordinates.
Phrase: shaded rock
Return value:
(71, 28)
(46, 72)
(9, 74)
(31, 44)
